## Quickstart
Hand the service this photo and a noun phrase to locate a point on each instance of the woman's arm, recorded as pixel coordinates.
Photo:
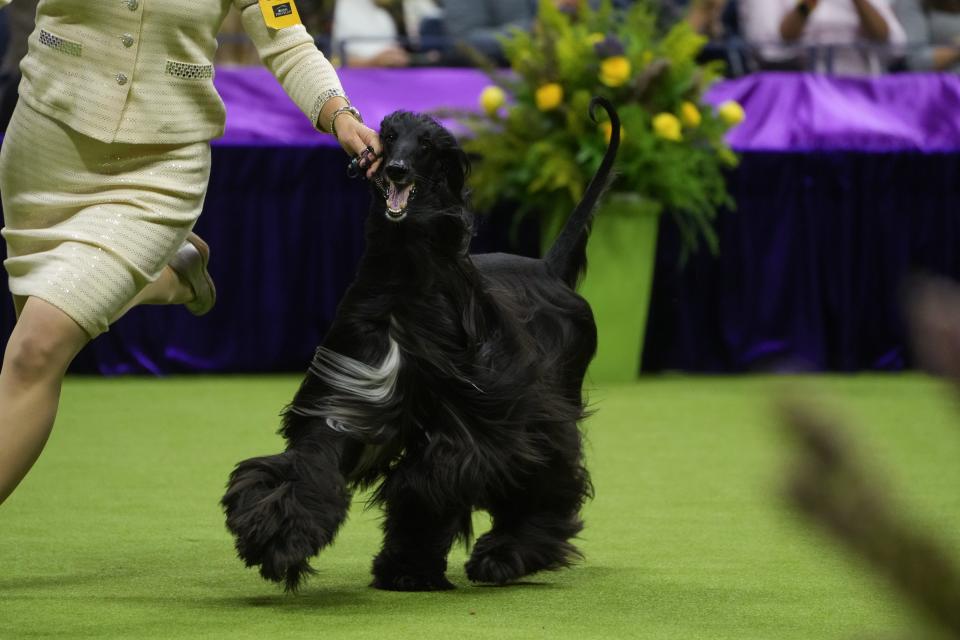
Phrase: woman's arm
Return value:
(307, 77)
(795, 20)
(945, 58)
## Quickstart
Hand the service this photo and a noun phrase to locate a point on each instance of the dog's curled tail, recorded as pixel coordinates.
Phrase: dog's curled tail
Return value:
(567, 258)
(283, 509)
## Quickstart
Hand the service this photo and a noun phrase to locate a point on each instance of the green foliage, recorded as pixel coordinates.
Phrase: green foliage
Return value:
(543, 157)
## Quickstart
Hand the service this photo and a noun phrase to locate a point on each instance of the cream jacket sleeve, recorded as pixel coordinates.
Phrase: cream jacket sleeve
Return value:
(293, 58)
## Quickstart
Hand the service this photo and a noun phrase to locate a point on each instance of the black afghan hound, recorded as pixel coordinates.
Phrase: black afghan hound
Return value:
(451, 382)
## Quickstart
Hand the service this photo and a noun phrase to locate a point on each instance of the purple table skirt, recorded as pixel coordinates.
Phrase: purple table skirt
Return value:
(260, 113)
(846, 186)
(785, 112)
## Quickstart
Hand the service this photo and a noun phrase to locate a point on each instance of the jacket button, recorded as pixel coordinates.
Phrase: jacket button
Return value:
(121, 79)
(133, 5)
(127, 40)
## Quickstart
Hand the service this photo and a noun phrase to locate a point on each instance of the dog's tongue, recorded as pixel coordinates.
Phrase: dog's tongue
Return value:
(397, 196)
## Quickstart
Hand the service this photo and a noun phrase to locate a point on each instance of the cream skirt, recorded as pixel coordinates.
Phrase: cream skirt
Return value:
(89, 224)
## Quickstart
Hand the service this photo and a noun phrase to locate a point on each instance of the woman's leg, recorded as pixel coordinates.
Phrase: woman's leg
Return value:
(169, 288)
(43, 343)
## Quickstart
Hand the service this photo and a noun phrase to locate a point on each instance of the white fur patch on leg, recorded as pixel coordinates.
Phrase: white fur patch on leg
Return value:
(361, 397)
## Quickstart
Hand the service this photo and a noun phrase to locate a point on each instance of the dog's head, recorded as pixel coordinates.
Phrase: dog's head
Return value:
(423, 169)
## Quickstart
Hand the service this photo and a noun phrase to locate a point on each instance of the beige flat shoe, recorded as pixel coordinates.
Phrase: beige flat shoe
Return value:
(190, 263)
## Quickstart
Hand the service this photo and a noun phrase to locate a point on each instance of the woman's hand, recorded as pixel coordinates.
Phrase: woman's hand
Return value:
(355, 137)
(391, 57)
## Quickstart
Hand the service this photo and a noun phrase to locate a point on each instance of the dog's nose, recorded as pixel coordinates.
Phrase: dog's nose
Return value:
(397, 170)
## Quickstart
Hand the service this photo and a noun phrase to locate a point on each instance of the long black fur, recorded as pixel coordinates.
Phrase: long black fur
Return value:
(449, 382)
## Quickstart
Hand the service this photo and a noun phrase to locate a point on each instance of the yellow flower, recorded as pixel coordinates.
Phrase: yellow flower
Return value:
(606, 128)
(667, 126)
(595, 38)
(615, 71)
(491, 99)
(549, 96)
(690, 115)
(731, 112)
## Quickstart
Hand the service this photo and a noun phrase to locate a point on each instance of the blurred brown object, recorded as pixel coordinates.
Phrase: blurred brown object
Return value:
(833, 487)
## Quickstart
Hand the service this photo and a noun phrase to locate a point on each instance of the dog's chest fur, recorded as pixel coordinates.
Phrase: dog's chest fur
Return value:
(402, 392)
(442, 386)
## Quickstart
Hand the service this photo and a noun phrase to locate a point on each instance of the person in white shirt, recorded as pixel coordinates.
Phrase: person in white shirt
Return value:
(933, 31)
(371, 33)
(850, 37)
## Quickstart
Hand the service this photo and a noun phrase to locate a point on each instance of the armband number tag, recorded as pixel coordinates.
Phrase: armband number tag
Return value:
(279, 14)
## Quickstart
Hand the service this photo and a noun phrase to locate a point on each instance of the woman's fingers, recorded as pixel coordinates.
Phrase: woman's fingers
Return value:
(371, 140)
(356, 138)
(368, 148)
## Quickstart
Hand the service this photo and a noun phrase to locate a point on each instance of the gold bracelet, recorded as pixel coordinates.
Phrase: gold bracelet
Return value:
(347, 109)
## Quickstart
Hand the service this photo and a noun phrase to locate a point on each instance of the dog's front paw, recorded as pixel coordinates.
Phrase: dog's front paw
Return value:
(495, 560)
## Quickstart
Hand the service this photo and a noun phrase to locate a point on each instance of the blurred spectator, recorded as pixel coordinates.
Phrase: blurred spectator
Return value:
(317, 16)
(20, 21)
(234, 46)
(933, 33)
(850, 37)
(718, 20)
(373, 33)
(481, 23)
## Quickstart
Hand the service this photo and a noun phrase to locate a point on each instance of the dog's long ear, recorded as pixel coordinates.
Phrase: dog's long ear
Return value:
(456, 169)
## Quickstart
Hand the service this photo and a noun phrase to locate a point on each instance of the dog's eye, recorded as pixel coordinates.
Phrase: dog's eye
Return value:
(425, 144)
(389, 137)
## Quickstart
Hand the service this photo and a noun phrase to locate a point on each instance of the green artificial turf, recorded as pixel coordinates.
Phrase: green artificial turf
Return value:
(117, 532)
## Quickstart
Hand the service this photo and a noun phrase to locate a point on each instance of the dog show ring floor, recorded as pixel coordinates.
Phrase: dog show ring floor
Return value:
(117, 532)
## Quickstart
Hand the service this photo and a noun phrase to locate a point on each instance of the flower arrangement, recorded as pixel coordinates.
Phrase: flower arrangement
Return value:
(537, 147)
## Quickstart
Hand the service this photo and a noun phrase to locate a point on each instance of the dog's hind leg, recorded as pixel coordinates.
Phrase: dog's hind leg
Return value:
(520, 546)
(418, 533)
(532, 528)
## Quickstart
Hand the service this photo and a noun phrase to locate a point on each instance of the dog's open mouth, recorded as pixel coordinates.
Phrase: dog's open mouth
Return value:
(398, 196)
